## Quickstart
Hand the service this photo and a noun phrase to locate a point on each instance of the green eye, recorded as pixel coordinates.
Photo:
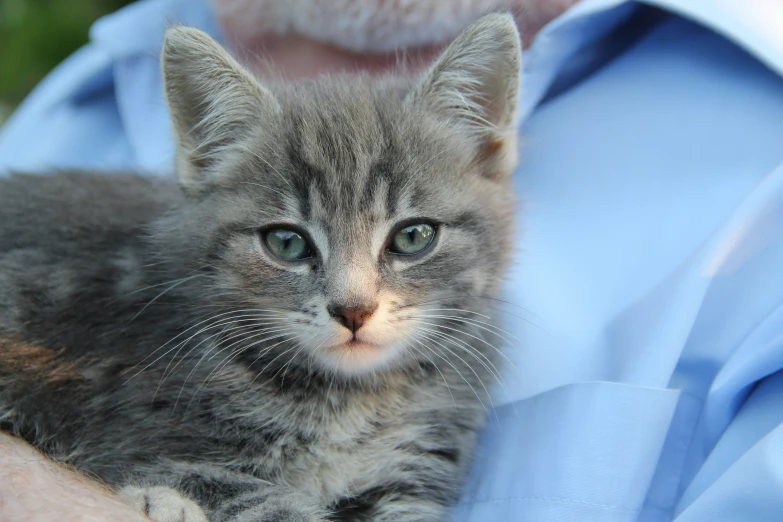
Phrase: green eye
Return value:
(287, 244)
(412, 239)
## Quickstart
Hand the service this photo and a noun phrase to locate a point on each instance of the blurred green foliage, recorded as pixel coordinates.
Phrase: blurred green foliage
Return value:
(36, 35)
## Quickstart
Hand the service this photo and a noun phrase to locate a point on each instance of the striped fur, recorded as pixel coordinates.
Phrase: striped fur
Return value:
(148, 338)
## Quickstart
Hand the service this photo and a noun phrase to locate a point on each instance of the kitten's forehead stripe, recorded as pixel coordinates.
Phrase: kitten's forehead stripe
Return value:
(385, 166)
(347, 159)
(302, 176)
(384, 170)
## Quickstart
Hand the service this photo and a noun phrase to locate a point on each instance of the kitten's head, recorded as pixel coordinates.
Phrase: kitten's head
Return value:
(346, 217)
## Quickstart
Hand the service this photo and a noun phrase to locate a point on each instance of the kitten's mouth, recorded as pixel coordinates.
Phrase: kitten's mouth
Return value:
(356, 345)
(356, 356)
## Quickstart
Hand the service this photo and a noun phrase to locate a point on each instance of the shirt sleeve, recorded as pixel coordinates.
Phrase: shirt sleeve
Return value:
(70, 120)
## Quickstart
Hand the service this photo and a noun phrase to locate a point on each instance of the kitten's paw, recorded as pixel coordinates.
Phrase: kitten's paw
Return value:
(163, 504)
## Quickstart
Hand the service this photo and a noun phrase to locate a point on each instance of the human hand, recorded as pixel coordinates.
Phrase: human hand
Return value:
(36, 489)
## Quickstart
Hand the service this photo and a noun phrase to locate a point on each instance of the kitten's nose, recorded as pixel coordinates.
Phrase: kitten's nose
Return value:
(352, 317)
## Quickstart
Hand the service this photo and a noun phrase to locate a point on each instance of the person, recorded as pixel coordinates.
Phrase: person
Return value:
(645, 309)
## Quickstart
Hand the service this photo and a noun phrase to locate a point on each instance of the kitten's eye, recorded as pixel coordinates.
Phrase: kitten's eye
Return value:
(287, 244)
(412, 239)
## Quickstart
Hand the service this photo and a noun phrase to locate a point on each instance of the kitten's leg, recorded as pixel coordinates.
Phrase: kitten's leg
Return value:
(236, 497)
(422, 483)
(397, 503)
(271, 504)
(402, 509)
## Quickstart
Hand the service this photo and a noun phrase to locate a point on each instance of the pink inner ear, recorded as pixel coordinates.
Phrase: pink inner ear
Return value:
(496, 157)
(490, 147)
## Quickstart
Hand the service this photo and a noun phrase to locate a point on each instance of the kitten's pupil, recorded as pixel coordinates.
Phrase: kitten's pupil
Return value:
(412, 239)
(287, 244)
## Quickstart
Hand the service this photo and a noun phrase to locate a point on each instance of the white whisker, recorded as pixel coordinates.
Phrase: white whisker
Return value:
(458, 343)
(214, 324)
(429, 336)
(195, 326)
(448, 388)
(479, 339)
(440, 354)
(176, 284)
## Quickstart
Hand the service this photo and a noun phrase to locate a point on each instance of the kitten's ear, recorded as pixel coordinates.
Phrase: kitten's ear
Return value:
(213, 101)
(475, 84)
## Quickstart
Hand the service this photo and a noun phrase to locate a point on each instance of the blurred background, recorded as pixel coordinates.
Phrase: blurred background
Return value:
(36, 35)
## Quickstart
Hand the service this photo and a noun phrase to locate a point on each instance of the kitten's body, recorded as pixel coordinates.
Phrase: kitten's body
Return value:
(66, 387)
(143, 339)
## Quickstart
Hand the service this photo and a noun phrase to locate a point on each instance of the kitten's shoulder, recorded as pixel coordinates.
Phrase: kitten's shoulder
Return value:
(68, 205)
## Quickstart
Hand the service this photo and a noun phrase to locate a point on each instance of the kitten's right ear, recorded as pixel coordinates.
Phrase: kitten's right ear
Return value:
(474, 86)
(213, 101)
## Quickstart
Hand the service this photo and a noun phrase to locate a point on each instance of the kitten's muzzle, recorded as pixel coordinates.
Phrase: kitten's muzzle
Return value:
(352, 317)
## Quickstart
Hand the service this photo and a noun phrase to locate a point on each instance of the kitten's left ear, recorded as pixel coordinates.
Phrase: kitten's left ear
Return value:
(475, 85)
(213, 101)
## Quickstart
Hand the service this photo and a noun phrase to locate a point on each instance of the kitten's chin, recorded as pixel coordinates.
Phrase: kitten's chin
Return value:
(357, 357)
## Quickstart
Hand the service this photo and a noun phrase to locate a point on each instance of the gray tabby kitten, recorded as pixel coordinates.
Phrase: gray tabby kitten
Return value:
(297, 330)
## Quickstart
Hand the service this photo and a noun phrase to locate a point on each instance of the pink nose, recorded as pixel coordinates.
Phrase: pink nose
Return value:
(352, 317)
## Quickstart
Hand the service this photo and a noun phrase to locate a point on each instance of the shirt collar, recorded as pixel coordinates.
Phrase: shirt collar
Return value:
(754, 25)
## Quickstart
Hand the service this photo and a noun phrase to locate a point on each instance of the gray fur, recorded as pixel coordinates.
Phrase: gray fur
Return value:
(149, 339)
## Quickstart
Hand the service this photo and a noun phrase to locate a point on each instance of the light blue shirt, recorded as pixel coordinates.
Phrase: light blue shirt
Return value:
(645, 307)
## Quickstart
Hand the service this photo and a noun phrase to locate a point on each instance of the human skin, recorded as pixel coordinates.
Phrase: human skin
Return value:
(33, 488)
(294, 55)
